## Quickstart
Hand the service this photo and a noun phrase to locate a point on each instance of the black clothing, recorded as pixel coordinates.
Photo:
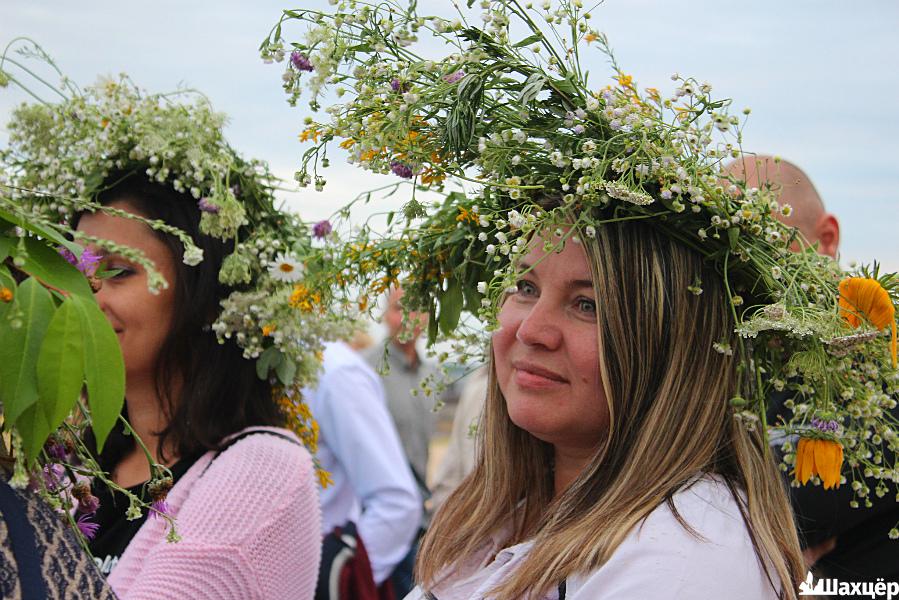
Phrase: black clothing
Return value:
(116, 531)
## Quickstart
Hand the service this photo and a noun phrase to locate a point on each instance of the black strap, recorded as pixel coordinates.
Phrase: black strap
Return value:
(23, 542)
(241, 436)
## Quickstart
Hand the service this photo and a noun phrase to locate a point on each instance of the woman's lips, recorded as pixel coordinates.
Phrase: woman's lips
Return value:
(530, 375)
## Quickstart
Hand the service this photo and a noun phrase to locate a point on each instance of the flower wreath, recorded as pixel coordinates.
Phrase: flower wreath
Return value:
(279, 312)
(510, 114)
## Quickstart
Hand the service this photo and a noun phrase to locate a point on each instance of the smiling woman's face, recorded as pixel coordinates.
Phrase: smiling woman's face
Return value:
(140, 319)
(546, 352)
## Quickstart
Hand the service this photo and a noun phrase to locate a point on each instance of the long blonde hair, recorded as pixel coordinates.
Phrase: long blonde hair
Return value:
(670, 420)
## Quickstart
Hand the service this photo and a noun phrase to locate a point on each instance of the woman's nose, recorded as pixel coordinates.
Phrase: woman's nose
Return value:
(541, 326)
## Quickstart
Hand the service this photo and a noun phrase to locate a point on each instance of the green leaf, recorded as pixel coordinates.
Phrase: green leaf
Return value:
(60, 364)
(528, 40)
(5, 244)
(45, 232)
(286, 371)
(432, 324)
(34, 429)
(51, 268)
(532, 88)
(451, 302)
(104, 368)
(733, 234)
(269, 359)
(20, 347)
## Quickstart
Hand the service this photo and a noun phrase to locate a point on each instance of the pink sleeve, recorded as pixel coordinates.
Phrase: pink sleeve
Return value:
(250, 528)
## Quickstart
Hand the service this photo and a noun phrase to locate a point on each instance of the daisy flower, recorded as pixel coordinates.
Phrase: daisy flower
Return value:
(286, 267)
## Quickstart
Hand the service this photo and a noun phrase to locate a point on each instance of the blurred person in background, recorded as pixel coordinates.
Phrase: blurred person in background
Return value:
(460, 454)
(402, 373)
(373, 488)
(840, 541)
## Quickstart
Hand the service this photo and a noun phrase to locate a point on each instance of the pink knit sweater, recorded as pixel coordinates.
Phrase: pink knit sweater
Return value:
(249, 529)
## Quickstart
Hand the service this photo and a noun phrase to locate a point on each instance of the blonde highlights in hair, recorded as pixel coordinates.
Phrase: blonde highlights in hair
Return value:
(664, 383)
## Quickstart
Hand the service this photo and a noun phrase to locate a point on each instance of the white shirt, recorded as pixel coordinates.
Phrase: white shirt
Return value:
(358, 445)
(658, 558)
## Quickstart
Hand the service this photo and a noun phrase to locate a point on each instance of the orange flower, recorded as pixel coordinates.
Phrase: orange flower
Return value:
(820, 457)
(863, 297)
(466, 215)
(432, 176)
(6, 294)
(591, 37)
(267, 330)
(303, 299)
(625, 81)
(312, 133)
(347, 143)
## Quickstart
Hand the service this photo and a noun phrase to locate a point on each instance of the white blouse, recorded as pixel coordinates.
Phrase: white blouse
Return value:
(658, 558)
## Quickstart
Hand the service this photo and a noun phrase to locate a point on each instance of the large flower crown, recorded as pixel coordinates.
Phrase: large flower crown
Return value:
(510, 114)
(61, 155)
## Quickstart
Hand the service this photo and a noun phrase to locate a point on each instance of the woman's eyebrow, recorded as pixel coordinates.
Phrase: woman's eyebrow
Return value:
(581, 283)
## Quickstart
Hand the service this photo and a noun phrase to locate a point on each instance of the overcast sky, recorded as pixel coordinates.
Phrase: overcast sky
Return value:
(820, 78)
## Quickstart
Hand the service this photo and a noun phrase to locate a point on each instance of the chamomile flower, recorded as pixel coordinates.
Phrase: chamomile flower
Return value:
(286, 268)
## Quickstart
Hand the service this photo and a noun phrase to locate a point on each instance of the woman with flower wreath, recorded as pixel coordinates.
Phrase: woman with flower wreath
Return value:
(641, 306)
(201, 281)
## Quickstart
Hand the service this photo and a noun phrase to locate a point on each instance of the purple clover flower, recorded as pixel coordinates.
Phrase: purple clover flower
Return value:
(454, 77)
(54, 476)
(56, 451)
(401, 87)
(87, 527)
(827, 426)
(206, 206)
(160, 508)
(300, 61)
(322, 229)
(87, 264)
(88, 504)
(401, 169)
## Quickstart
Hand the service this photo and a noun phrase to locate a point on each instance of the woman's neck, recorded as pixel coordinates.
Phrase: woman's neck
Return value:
(569, 463)
(147, 418)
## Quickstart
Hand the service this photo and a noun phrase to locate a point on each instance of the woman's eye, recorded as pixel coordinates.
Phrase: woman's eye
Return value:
(586, 306)
(526, 288)
(118, 271)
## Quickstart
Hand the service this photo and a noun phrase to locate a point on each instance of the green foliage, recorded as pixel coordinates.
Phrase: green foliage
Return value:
(20, 348)
(104, 367)
(60, 363)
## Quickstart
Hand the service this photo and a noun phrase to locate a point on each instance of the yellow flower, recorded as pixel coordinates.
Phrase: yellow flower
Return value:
(347, 143)
(6, 294)
(625, 80)
(819, 457)
(324, 478)
(369, 154)
(303, 299)
(466, 215)
(591, 37)
(312, 133)
(267, 330)
(863, 297)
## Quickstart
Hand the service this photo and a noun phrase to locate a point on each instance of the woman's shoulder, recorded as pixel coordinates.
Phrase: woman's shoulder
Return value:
(696, 544)
(258, 453)
(702, 518)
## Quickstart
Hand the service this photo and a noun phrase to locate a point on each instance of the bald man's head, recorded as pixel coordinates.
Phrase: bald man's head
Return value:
(797, 190)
